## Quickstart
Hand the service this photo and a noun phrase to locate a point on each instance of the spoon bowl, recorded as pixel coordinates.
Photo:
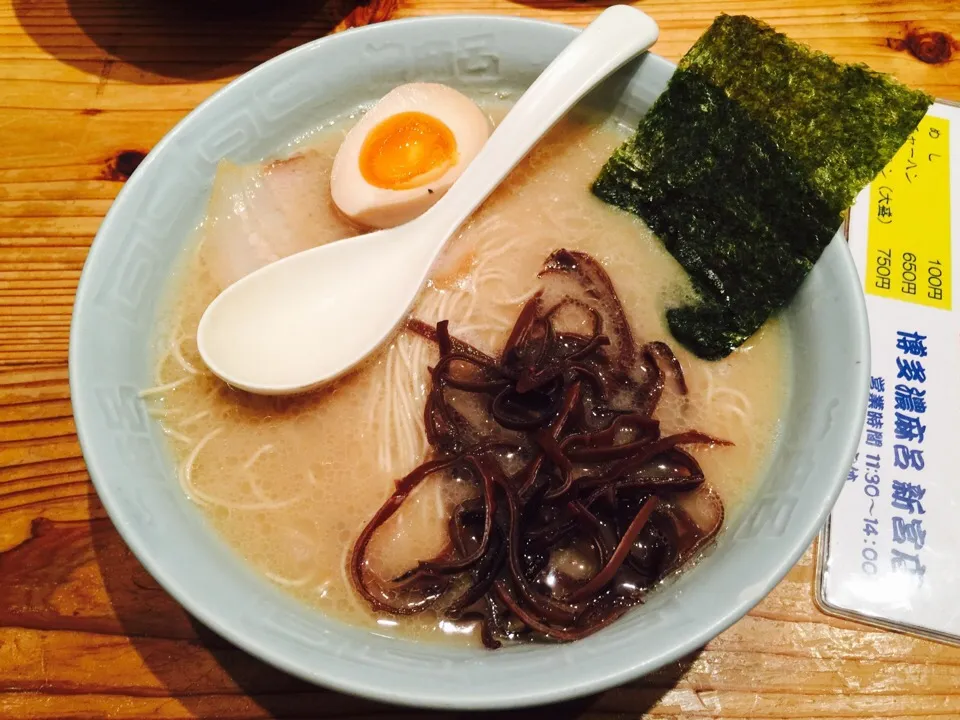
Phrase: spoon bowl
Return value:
(310, 318)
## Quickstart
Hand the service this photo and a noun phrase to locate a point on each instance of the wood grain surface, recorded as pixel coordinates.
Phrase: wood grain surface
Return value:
(86, 88)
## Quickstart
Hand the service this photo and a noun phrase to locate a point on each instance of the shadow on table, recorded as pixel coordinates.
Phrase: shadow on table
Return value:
(207, 674)
(159, 41)
(569, 4)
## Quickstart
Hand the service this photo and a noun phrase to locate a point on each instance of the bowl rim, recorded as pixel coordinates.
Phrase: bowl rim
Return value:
(344, 682)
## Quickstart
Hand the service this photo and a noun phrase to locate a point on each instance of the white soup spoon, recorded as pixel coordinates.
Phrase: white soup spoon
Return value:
(309, 318)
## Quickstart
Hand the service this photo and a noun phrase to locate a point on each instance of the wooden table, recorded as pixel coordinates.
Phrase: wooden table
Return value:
(87, 87)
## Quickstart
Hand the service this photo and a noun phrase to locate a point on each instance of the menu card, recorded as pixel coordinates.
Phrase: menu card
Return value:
(889, 552)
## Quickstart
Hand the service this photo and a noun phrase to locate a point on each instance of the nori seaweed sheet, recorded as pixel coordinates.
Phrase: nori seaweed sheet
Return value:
(734, 187)
(841, 123)
(731, 183)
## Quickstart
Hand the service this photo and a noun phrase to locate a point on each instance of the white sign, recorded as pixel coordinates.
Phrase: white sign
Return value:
(890, 553)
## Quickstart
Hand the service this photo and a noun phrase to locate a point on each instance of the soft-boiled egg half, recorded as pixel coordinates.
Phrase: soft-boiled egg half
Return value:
(405, 153)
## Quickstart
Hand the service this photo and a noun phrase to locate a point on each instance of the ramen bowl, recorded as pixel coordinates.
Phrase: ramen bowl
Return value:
(120, 296)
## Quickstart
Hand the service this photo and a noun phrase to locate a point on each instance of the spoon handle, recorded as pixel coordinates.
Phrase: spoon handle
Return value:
(618, 34)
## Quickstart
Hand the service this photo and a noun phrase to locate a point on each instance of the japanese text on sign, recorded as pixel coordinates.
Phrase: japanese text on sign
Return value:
(888, 554)
(907, 493)
(908, 239)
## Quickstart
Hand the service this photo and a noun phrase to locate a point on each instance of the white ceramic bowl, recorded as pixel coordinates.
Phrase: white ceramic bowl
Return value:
(118, 299)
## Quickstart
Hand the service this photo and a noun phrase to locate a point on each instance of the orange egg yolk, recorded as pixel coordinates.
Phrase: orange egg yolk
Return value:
(407, 150)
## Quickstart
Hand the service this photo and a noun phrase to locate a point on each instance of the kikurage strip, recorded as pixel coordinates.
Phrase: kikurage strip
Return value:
(595, 476)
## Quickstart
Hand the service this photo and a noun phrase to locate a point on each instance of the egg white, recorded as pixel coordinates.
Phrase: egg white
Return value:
(377, 207)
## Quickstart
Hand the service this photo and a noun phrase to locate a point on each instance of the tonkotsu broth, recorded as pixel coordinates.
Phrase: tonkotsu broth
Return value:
(289, 483)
